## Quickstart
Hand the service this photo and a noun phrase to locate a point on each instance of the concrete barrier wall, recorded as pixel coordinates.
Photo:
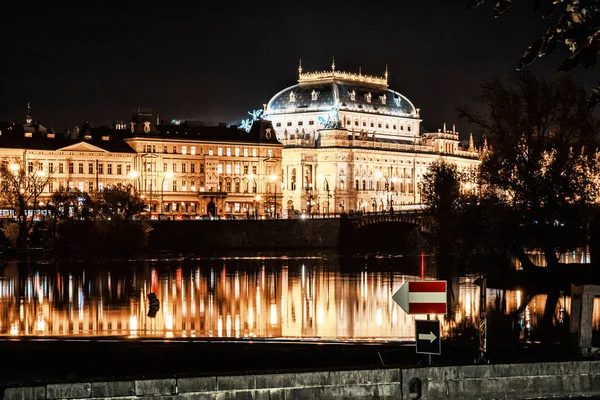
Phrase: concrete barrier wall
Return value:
(516, 381)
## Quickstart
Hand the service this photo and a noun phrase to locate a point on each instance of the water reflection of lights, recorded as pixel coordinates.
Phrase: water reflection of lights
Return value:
(14, 329)
(264, 301)
(133, 325)
(40, 323)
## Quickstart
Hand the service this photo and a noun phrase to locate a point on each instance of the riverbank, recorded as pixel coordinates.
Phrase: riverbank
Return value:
(182, 369)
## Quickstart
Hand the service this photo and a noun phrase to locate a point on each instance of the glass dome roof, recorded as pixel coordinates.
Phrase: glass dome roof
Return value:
(333, 90)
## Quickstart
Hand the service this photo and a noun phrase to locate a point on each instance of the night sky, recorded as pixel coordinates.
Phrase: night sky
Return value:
(189, 60)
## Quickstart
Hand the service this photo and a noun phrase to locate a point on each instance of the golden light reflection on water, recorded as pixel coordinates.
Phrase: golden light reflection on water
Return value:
(236, 298)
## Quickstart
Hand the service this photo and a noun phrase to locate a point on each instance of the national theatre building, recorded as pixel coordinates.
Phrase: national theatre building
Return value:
(351, 143)
(334, 142)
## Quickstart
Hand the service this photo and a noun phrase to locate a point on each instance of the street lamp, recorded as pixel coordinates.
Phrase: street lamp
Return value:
(256, 204)
(274, 180)
(168, 175)
(14, 167)
(134, 175)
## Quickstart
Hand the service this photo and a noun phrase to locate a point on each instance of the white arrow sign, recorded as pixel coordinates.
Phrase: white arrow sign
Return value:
(427, 336)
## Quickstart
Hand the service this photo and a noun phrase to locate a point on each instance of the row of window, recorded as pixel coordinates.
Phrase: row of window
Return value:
(150, 166)
(111, 169)
(349, 124)
(151, 148)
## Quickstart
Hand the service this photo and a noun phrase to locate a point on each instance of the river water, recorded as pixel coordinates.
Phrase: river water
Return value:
(308, 296)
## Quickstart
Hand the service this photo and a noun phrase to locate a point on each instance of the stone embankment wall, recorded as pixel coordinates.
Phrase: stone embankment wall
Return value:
(244, 234)
(516, 381)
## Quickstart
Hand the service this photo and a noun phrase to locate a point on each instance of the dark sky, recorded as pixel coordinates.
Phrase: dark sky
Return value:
(215, 62)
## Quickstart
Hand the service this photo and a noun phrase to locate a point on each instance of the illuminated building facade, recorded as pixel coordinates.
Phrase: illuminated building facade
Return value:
(182, 168)
(351, 143)
(86, 163)
(178, 169)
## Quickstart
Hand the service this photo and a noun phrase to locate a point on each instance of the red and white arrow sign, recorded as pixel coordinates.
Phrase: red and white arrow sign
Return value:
(422, 297)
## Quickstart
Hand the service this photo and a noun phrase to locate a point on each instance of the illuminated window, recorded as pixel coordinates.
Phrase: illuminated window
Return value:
(254, 152)
(183, 186)
(193, 186)
(210, 151)
(228, 169)
(353, 95)
(228, 152)
(220, 168)
(383, 99)
(269, 153)
(220, 151)
(237, 151)
(237, 168)
(100, 186)
(245, 152)
(368, 97)
(183, 149)
(193, 150)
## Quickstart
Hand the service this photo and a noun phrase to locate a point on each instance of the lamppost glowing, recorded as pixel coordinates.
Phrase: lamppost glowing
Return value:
(274, 180)
(134, 175)
(14, 167)
(256, 204)
(168, 175)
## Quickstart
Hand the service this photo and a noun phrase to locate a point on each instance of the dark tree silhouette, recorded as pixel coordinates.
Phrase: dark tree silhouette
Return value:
(541, 163)
(21, 188)
(118, 202)
(574, 24)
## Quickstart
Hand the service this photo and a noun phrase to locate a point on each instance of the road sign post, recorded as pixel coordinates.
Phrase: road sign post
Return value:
(422, 297)
(428, 337)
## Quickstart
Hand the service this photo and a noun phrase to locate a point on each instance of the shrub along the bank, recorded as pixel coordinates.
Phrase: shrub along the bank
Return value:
(100, 239)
